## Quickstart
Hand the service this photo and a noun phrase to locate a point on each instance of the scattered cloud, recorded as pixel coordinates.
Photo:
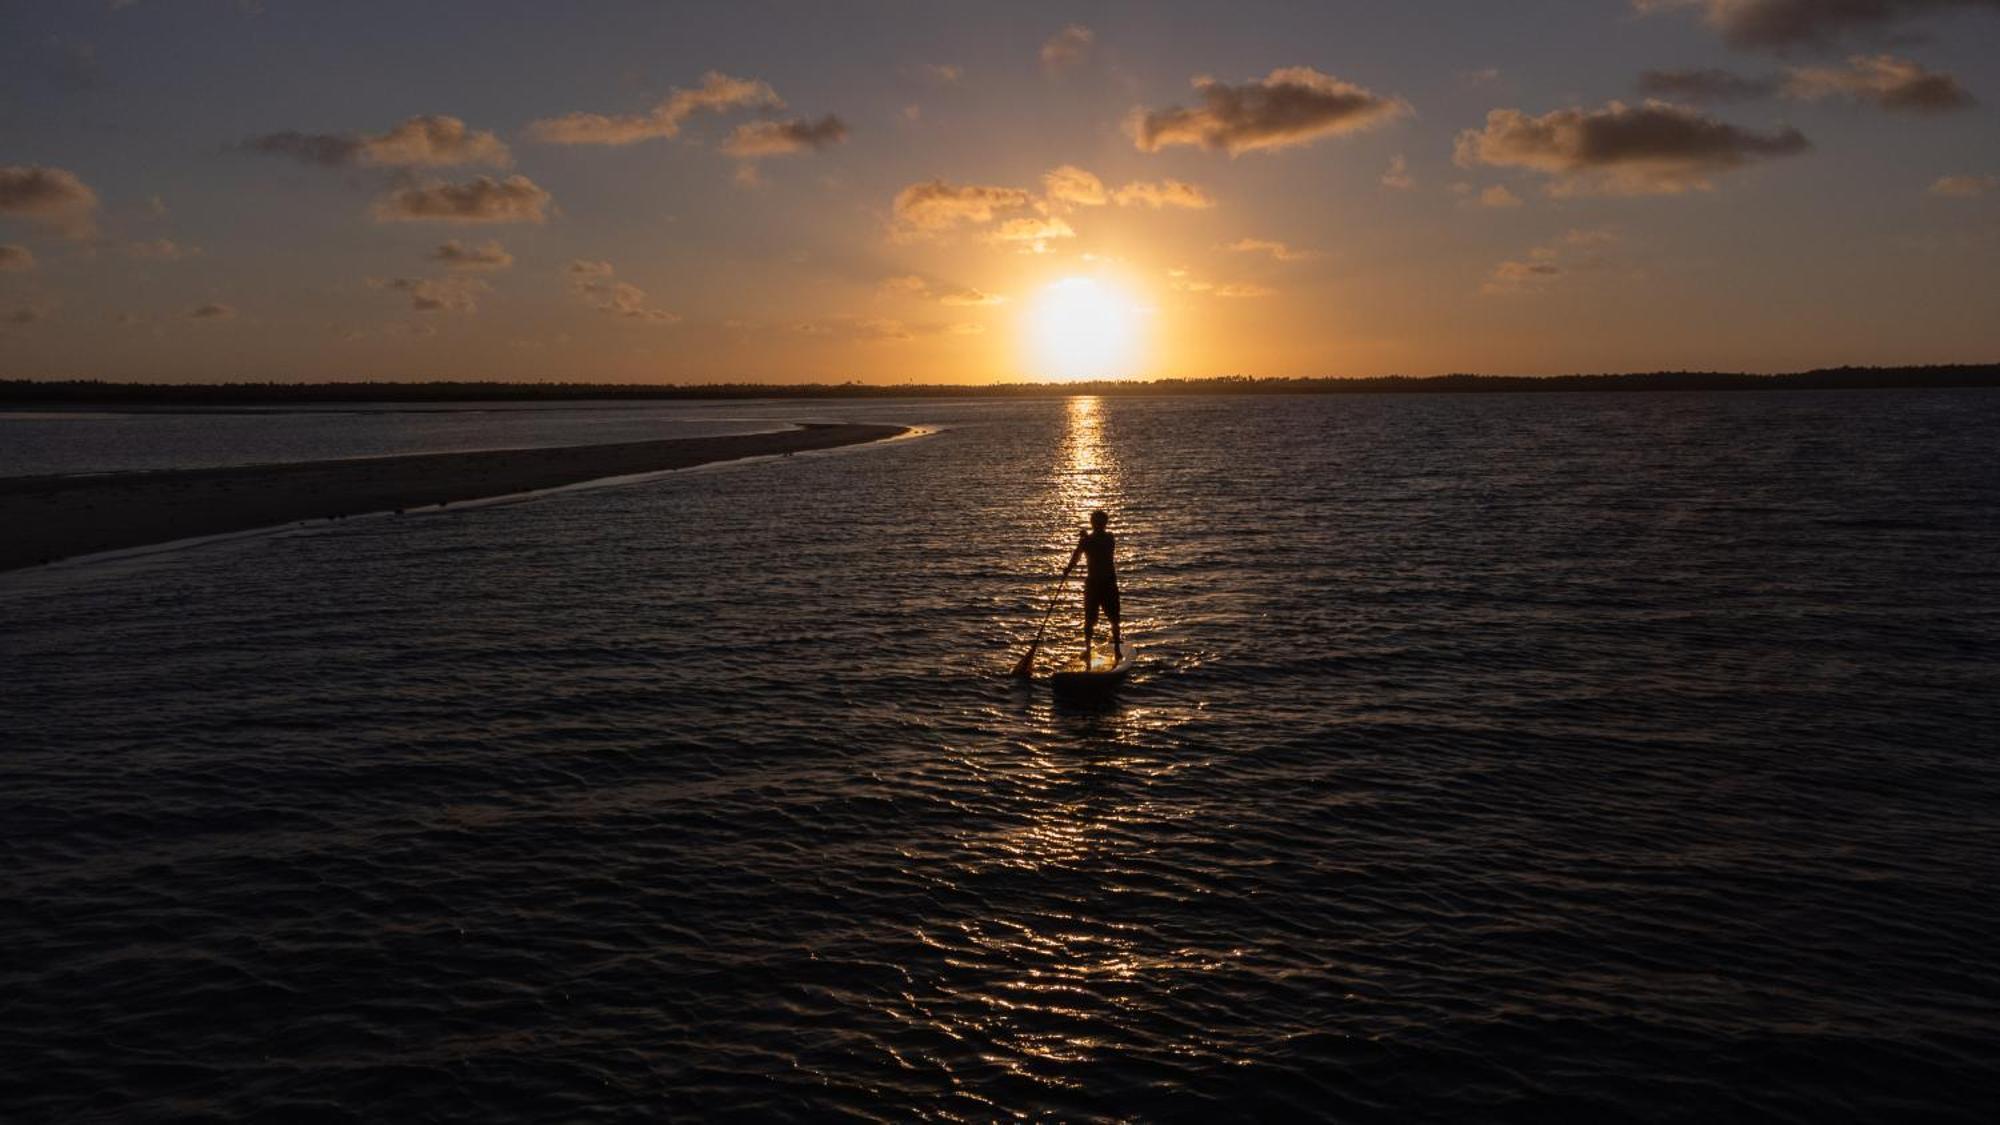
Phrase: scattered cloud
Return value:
(718, 93)
(939, 74)
(1498, 196)
(156, 207)
(1652, 149)
(1290, 106)
(1773, 24)
(437, 294)
(212, 311)
(758, 139)
(917, 287)
(15, 259)
(935, 205)
(1705, 86)
(161, 250)
(457, 255)
(1067, 48)
(1165, 193)
(593, 281)
(428, 141)
(1031, 235)
(1964, 187)
(1181, 281)
(1071, 184)
(877, 330)
(515, 199)
(1397, 177)
(1880, 80)
(1576, 251)
(1244, 289)
(53, 196)
(1278, 251)
(1484, 76)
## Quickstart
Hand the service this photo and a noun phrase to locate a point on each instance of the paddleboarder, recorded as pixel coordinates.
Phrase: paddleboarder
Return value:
(1100, 582)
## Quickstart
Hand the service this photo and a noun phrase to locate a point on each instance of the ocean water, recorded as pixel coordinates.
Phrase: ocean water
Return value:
(1515, 758)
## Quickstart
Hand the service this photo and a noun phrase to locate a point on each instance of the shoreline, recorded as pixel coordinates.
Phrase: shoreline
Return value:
(61, 517)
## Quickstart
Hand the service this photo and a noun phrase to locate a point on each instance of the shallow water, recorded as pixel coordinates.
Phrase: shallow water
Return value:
(1512, 757)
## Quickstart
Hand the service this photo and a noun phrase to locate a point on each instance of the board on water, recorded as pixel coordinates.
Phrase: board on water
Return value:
(1103, 674)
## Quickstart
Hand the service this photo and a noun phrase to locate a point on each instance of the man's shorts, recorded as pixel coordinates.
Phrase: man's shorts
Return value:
(1095, 599)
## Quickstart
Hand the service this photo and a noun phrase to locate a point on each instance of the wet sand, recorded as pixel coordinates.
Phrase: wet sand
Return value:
(50, 518)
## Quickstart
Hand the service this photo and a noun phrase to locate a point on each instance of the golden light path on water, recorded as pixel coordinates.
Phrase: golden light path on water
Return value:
(1050, 993)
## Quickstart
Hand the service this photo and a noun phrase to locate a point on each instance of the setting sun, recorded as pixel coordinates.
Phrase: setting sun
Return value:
(1083, 328)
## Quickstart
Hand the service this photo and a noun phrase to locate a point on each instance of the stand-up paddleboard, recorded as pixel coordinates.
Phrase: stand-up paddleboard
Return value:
(1103, 674)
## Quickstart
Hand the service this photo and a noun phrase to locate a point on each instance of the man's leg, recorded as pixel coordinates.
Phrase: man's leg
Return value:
(1089, 624)
(1117, 643)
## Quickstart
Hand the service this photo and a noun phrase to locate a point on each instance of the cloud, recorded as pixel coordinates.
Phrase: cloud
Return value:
(1165, 193)
(593, 281)
(161, 250)
(1031, 235)
(515, 199)
(437, 294)
(49, 195)
(428, 141)
(1398, 175)
(940, 74)
(458, 256)
(1957, 187)
(876, 330)
(1278, 251)
(1881, 80)
(1071, 184)
(1772, 24)
(1498, 196)
(758, 139)
(1244, 289)
(935, 205)
(718, 93)
(15, 259)
(914, 286)
(1653, 149)
(1290, 106)
(1708, 85)
(212, 311)
(1067, 48)
(1577, 250)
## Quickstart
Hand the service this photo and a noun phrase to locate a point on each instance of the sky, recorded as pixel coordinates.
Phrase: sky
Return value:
(204, 190)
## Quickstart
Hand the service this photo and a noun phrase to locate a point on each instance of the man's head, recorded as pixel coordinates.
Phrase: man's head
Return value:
(1098, 519)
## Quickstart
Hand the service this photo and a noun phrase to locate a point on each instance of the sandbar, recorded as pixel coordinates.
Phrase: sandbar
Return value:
(56, 517)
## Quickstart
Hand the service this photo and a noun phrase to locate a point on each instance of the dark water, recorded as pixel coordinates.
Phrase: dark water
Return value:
(1496, 758)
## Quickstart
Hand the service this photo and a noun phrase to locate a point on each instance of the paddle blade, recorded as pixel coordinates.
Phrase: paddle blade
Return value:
(1026, 668)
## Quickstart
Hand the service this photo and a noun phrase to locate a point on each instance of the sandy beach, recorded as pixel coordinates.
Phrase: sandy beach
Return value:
(53, 518)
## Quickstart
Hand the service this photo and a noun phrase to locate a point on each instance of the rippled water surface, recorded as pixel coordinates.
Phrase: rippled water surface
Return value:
(1493, 758)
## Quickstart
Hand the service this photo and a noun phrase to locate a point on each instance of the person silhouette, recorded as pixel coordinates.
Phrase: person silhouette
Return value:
(1100, 583)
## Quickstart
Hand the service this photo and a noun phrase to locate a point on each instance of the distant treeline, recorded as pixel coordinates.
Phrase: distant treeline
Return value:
(95, 392)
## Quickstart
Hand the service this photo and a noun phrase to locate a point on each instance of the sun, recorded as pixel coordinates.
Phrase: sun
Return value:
(1083, 328)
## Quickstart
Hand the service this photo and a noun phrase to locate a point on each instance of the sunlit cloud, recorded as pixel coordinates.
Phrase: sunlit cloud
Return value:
(429, 141)
(1244, 289)
(919, 288)
(1576, 251)
(594, 282)
(1964, 187)
(1397, 177)
(1067, 48)
(54, 197)
(1881, 80)
(1072, 185)
(436, 294)
(1497, 195)
(1786, 23)
(939, 74)
(1277, 251)
(1652, 149)
(935, 205)
(717, 93)
(212, 311)
(458, 256)
(16, 259)
(515, 199)
(757, 139)
(1030, 234)
(1290, 106)
(1164, 193)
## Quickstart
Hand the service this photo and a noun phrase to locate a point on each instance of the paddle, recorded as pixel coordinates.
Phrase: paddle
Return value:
(1026, 667)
